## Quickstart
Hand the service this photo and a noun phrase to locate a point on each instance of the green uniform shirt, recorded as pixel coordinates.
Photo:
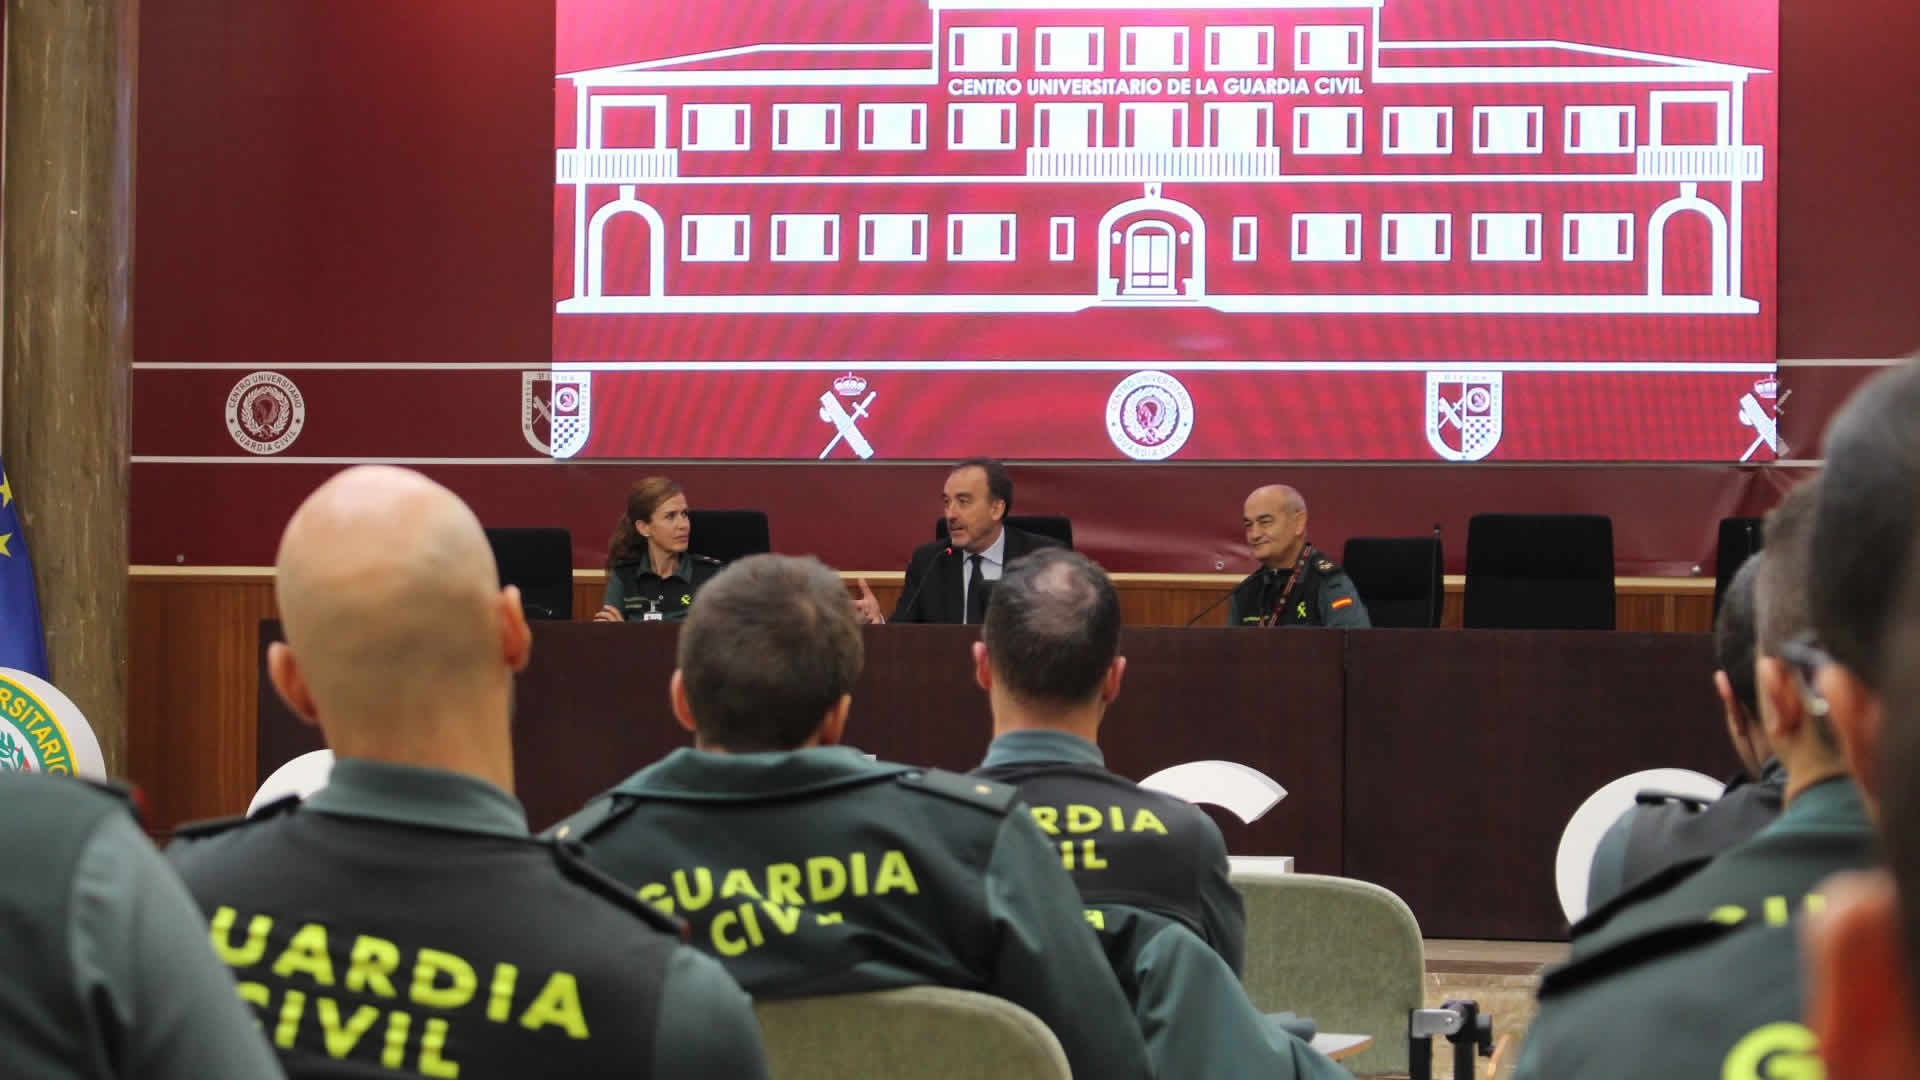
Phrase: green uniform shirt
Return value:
(636, 592)
(706, 1026)
(820, 872)
(1697, 972)
(1322, 595)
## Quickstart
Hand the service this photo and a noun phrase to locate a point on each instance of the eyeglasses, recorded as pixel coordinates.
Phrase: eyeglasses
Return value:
(1803, 653)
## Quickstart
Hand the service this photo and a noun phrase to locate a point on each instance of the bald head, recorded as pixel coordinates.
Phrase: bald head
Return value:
(391, 605)
(1275, 520)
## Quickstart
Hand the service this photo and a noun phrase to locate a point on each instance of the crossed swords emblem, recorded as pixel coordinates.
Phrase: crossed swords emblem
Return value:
(846, 424)
(1766, 428)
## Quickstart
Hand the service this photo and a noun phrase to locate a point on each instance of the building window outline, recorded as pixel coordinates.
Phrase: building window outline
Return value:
(1584, 121)
(872, 250)
(1579, 231)
(1487, 230)
(1044, 113)
(1215, 111)
(787, 230)
(1131, 111)
(994, 48)
(1221, 51)
(1046, 42)
(1329, 48)
(1246, 239)
(870, 127)
(1135, 40)
(1309, 232)
(1001, 118)
(1416, 226)
(721, 117)
(1060, 239)
(1400, 123)
(715, 237)
(1494, 126)
(1345, 121)
(978, 237)
(784, 122)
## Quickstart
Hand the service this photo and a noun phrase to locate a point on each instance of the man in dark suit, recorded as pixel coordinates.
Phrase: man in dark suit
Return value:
(948, 580)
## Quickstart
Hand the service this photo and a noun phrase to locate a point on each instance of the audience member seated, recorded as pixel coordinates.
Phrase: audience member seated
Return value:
(948, 581)
(650, 573)
(1050, 666)
(402, 918)
(108, 970)
(1666, 829)
(1296, 585)
(1722, 995)
(1152, 870)
(810, 869)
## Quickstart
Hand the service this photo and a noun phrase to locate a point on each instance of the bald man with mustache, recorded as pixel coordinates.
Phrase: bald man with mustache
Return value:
(1296, 585)
(403, 917)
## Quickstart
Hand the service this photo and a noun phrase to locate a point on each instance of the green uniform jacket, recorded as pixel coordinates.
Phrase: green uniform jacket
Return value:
(820, 872)
(1323, 596)
(1192, 1009)
(1697, 972)
(1659, 831)
(635, 591)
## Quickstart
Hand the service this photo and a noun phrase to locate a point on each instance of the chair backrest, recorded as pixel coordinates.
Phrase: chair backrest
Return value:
(922, 1032)
(540, 561)
(1539, 572)
(729, 534)
(1400, 579)
(1347, 953)
(1053, 526)
(1740, 539)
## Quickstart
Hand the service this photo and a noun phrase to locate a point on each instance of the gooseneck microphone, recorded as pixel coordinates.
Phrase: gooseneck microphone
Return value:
(907, 604)
(1203, 611)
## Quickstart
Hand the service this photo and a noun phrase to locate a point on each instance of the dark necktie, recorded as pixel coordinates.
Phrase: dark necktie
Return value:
(976, 592)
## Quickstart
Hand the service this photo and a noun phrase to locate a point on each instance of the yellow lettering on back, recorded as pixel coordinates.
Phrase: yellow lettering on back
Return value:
(826, 878)
(752, 926)
(1728, 915)
(1048, 818)
(394, 1053)
(786, 918)
(500, 997)
(693, 901)
(895, 873)
(783, 884)
(829, 918)
(1815, 903)
(558, 1003)
(255, 994)
(307, 955)
(656, 894)
(432, 1042)
(1082, 819)
(341, 1040)
(1097, 918)
(372, 965)
(288, 1029)
(1784, 1050)
(1775, 909)
(1089, 859)
(722, 944)
(738, 883)
(427, 966)
(247, 955)
(1145, 821)
(858, 861)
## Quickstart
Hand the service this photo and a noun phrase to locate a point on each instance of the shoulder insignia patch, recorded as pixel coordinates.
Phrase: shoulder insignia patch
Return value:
(1343, 602)
(972, 790)
(200, 830)
(1657, 797)
(707, 560)
(1324, 565)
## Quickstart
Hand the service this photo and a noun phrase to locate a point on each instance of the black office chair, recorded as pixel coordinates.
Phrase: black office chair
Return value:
(1400, 579)
(1052, 526)
(1540, 572)
(1740, 539)
(729, 534)
(540, 561)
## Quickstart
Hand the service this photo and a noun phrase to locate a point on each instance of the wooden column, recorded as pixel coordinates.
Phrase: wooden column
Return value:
(66, 285)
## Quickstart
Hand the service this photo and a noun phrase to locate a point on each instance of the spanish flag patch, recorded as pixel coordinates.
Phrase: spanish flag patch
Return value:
(1345, 601)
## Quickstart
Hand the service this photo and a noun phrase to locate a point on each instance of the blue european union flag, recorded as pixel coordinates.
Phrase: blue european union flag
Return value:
(22, 645)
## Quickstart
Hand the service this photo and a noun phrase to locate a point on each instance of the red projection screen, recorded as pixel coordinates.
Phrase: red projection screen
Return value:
(1165, 230)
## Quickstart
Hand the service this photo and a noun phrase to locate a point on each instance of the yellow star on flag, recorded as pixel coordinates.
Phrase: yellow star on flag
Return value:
(4, 537)
(6, 492)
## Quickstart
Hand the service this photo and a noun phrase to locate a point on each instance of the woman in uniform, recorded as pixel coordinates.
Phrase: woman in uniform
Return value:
(650, 573)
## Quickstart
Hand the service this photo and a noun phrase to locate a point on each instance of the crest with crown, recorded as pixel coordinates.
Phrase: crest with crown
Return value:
(849, 385)
(1767, 389)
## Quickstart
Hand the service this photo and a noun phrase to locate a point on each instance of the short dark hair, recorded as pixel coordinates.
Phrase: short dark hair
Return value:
(1734, 634)
(999, 483)
(1868, 509)
(770, 645)
(1052, 627)
(1783, 590)
(1899, 763)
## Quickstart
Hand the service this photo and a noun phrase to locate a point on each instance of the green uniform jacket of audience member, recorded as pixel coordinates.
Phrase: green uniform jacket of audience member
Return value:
(1323, 596)
(1192, 1009)
(817, 871)
(635, 591)
(1659, 831)
(108, 968)
(1697, 972)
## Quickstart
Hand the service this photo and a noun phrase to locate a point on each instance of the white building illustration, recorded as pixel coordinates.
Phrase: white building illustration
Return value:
(1241, 155)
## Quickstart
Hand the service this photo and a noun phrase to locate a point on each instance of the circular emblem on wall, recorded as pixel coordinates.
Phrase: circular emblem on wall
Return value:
(265, 412)
(42, 731)
(1149, 416)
